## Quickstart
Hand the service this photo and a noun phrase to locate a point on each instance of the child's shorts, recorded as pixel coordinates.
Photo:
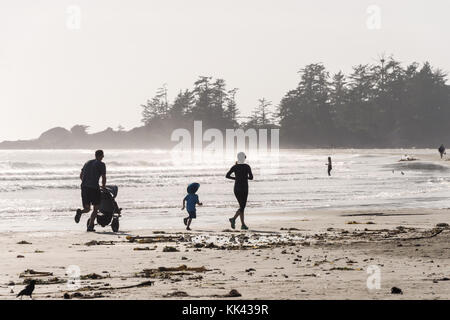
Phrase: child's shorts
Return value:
(192, 214)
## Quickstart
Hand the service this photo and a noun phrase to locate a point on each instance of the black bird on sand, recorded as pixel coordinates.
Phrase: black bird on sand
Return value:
(28, 291)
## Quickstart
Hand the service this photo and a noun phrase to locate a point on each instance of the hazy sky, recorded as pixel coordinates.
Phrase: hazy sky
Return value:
(56, 70)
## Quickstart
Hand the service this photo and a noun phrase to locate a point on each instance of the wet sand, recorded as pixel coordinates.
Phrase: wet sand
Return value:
(303, 255)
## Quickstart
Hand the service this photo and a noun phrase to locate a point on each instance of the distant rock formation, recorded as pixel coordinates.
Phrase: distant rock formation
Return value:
(77, 137)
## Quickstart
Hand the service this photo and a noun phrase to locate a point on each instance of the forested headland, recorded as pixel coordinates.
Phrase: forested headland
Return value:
(386, 104)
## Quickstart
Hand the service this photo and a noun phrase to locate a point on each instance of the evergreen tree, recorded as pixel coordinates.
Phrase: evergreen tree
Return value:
(231, 110)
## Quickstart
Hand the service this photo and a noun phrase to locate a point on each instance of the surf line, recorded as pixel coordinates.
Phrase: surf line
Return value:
(193, 310)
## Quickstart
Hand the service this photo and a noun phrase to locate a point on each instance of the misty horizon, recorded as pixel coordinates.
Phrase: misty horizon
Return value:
(101, 71)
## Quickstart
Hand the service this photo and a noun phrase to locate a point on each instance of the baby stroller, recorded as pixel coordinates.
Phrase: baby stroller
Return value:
(109, 211)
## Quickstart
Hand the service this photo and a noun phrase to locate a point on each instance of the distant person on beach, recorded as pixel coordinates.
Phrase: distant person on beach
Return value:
(90, 189)
(442, 150)
(242, 173)
(330, 167)
(189, 202)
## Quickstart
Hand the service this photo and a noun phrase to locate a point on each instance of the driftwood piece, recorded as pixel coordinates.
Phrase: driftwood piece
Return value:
(434, 234)
(32, 273)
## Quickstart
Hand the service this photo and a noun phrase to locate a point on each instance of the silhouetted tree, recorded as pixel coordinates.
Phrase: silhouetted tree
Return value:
(261, 116)
(231, 110)
(305, 113)
(155, 109)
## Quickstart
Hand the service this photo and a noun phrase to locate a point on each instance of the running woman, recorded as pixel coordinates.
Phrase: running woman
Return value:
(242, 173)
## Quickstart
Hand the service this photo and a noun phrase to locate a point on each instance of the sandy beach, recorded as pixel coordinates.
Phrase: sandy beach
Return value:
(305, 255)
(182, 151)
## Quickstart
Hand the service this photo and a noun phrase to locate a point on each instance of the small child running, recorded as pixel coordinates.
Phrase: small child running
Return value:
(192, 200)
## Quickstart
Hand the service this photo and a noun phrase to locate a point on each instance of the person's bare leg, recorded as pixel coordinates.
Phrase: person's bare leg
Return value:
(237, 214)
(93, 217)
(188, 224)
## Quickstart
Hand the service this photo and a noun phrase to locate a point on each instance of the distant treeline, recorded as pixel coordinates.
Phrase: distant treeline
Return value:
(383, 105)
(376, 105)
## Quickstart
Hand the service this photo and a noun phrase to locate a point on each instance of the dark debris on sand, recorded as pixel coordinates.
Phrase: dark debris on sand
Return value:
(395, 290)
(54, 280)
(93, 276)
(105, 288)
(233, 294)
(99, 243)
(24, 242)
(442, 225)
(176, 294)
(80, 295)
(170, 249)
(241, 241)
(170, 272)
(144, 248)
(33, 273)
(153, 239)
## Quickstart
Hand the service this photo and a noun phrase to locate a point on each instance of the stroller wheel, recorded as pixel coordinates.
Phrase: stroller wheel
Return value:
(115, 225)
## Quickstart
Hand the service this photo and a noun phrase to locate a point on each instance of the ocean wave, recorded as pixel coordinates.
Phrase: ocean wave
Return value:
(419, 166)
(25, 210)
(36, 178)
(121, 183)
(17, 165)
(17, 187)
(141, 163)
(20, 165)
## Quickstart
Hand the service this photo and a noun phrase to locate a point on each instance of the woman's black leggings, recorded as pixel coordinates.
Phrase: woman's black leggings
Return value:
(241, 196)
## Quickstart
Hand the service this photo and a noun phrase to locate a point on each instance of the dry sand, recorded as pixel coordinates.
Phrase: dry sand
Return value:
(324, 255)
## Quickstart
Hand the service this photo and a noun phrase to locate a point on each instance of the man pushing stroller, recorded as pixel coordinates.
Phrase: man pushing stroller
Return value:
(90, 189)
